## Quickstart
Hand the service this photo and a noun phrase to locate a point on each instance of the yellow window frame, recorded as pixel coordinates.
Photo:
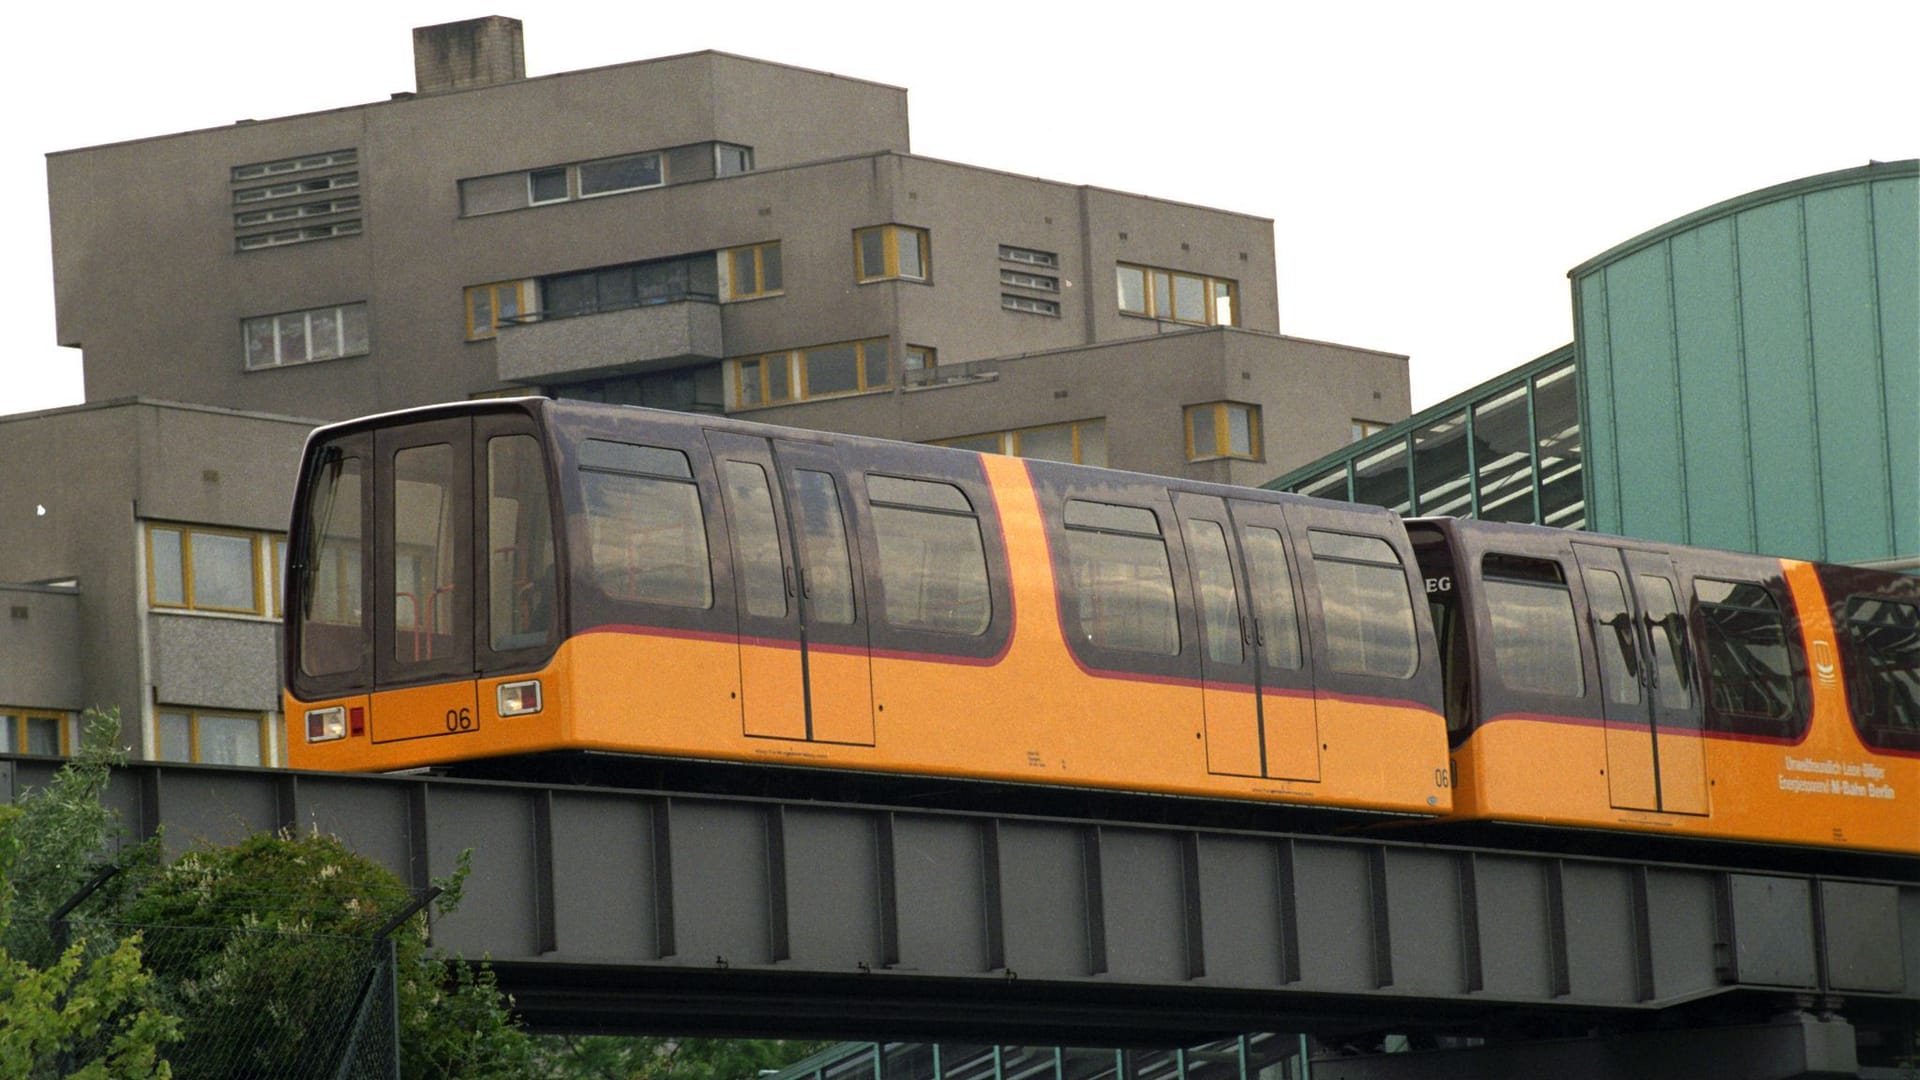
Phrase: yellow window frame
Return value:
(16, 721)
(890, 253)
(1010, 438)
(1212, 291)
(1222, 432)
(194, 717)
(483, 305)
(188, 599)
(754, 370)
(756, 257)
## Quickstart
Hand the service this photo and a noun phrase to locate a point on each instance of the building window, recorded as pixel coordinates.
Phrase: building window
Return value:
(884, 252)
(1009, 253)
(552, 184)
(1362, 429)
(546, 185)
(298, 337)
(212, 738)
(489, 307)
(731, 160)
(1022, 280)
(750, 272)
(916, 364)
(220, 570)
(1223, 429)
(617, 288)
(1176, 297)
(1030, 304)
(296, 236)
(284, 166)
(33, 731)
(1083, 442)
(301, 210)
(851, 367)
(342, 182)
(615, 175)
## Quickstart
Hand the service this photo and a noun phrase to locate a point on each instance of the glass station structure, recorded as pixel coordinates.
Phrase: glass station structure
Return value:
(1746, 377)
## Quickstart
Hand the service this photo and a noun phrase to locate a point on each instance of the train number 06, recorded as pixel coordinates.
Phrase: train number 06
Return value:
(460, 720)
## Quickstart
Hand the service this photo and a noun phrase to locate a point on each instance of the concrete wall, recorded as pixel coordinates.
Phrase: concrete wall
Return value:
(39, 637)
(100, 472)
(1307, 390)
(148, 282)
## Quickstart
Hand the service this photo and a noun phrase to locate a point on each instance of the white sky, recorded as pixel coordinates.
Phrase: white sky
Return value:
(1433, 169)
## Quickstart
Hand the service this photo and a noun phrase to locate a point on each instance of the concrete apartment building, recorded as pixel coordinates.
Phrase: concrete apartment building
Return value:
(701, 232)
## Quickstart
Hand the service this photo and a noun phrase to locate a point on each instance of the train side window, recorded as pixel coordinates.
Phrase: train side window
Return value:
(1272, 594)
(1219, 600)
(826, 575)
(520, 572)
(1536, 641)
(332, 630)
(1886, 690)
(1365, 605)
(1750, 682)
(1122, 580)
(933, 564)
(646, 535)
(1615, 644)
(756, 537)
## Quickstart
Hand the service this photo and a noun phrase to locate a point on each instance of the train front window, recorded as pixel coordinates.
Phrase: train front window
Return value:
(1749, 668)
(646, 535)
(332, 630)
(520, 571)
(425, 545)
(1365, 605)
(1886, 680)
(1536, 641)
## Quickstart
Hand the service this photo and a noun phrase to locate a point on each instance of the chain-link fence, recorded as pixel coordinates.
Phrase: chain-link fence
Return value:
(260, 1004)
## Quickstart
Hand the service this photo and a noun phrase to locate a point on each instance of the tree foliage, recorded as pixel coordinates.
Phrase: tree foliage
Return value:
(312, 896)
(599, 1057)
(78, 1010)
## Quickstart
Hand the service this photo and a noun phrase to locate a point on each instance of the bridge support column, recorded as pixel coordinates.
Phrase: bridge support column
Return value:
(1788, 1047)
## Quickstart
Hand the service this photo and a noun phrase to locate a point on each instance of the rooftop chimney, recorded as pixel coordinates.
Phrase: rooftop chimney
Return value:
(464, 55)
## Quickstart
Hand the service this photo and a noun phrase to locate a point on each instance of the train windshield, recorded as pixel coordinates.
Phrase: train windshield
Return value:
(424, 551)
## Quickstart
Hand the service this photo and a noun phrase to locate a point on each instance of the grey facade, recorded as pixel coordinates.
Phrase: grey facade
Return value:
(88, 488)
(385, 255)
(703, 232)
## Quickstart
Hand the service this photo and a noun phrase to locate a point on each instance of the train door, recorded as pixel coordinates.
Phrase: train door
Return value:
(1655, 759)
(1257, 697)
(423, 579)
(804, 661)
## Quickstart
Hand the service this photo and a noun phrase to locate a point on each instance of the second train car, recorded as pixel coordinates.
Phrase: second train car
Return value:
(499, 580)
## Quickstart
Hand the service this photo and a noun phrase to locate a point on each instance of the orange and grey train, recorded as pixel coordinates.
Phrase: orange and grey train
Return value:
(526, 579)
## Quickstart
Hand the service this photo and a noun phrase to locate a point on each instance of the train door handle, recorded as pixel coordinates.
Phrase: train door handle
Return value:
(786, 578)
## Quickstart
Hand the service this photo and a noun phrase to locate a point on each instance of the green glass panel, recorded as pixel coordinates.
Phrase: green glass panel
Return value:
(1595, 371)
(1849, 408)
(1380, 478)
(1441, 480)
(1773, 303)
(1640, 318)
(1719, 489)
(1556, 426)
(1896, 227)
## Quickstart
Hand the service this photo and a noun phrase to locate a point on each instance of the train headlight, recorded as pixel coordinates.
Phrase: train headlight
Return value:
(520, 698)
(326, 725)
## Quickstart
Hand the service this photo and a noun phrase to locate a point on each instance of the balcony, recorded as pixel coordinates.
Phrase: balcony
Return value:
(654, 335)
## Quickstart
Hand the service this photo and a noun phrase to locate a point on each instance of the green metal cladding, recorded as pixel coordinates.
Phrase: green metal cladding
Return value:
(1750, 374)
